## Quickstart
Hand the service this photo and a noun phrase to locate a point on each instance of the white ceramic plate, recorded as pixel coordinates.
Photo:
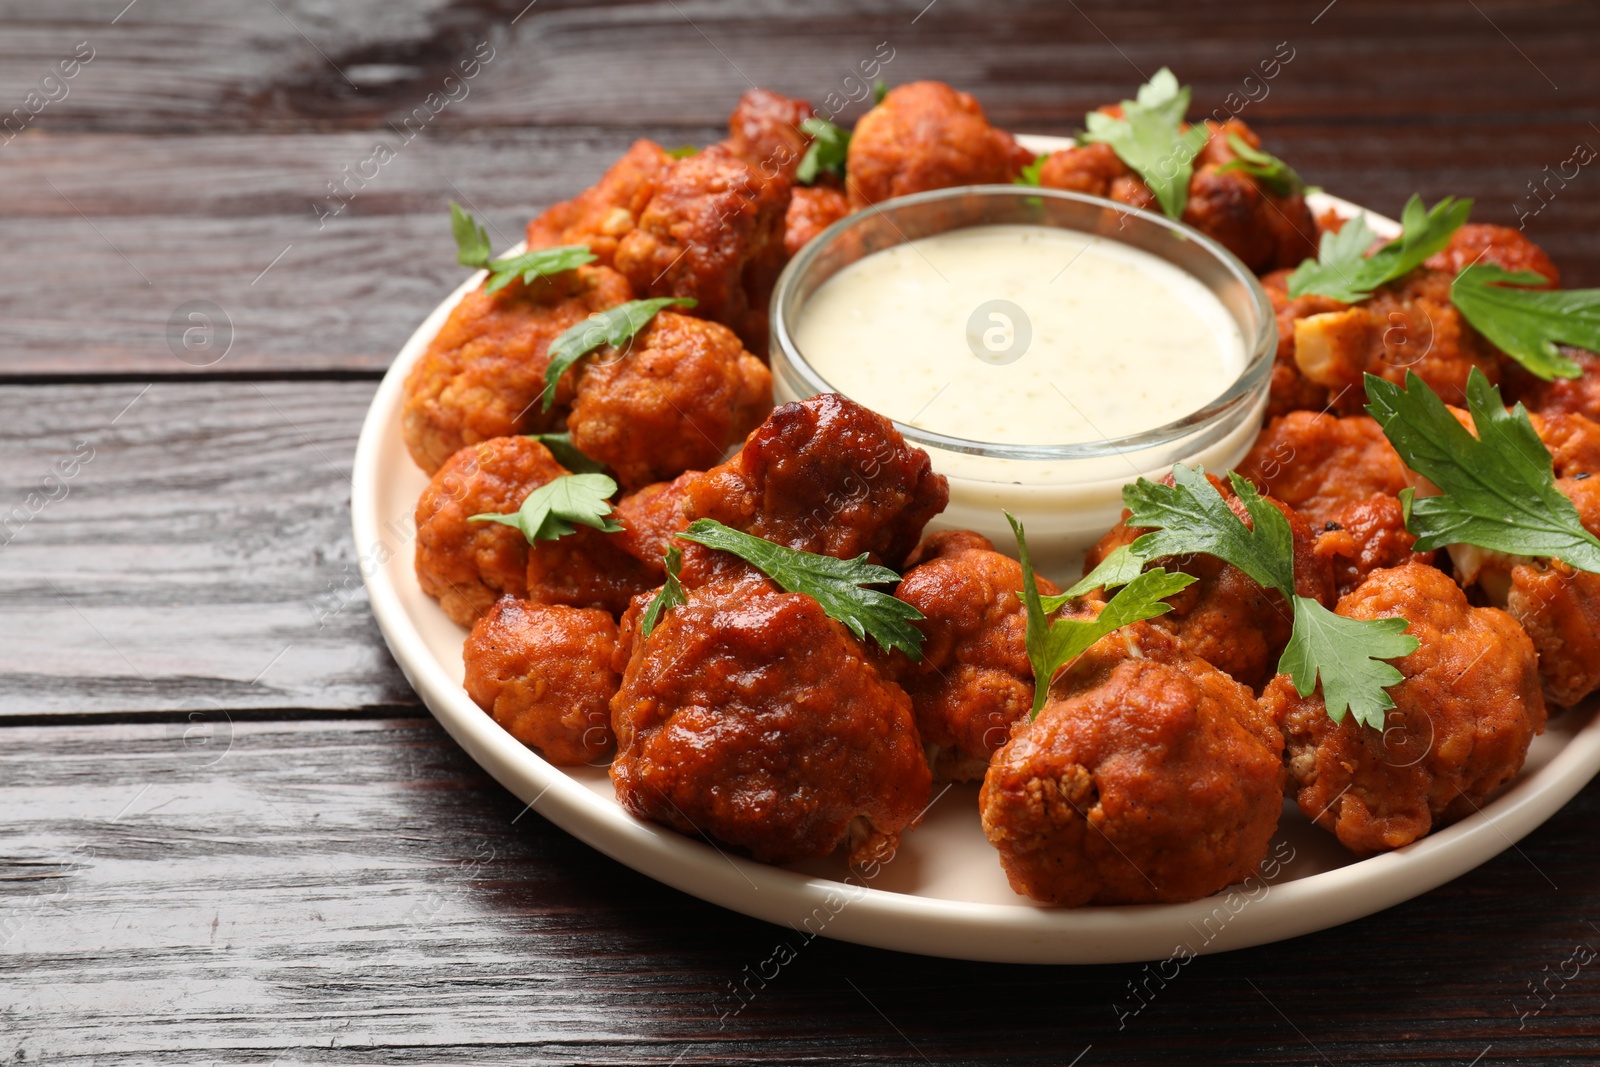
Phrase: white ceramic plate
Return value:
(944, 894)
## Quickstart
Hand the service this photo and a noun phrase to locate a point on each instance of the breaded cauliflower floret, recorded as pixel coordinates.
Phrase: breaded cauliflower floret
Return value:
(607, 211)
(750, 716)
(823, 475)
(712, 231)
(974, 680)
(544, 673)
(468, 565)
(926, 135)
(1463, 718)
(676, 399)
(483, 374)
(1149, 777)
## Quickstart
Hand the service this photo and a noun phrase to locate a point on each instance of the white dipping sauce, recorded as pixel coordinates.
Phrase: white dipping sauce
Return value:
(1099, 340)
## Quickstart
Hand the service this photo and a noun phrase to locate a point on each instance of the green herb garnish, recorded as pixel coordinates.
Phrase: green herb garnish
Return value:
(1348, 655)
(1527, 324)
(879, 91)
(1191, 516)
(1053, 645)
(1150, 138)
(1030, 173)
(670, 595)
(566, 453)
(472, 250)
(560, 506)
(1264, 167)
(828, 150)
(683, 151)
(614, 326)
(1497, 489)
(836, 584)
(1120, 567)
(1343, 272)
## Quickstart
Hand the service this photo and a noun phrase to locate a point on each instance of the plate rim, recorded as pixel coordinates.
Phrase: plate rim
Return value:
(1023, 932)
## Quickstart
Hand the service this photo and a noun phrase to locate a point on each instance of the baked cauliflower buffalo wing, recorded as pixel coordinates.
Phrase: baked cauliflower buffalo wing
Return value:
(544, 673)
(974, 680)
(712, 231)
(1290, 390)
(652, 517)
(1320, 464)
(1225, 618)
(1500, 246)
(607, 211)
(468, 565)
(751, 717)
(823, 475)
(1149, 777)
(681, 394)
(926, 135)
(483, 374)
(1463, 718)
(812, 209)
(1345, 478)
(1408, 325)
(764, 131)
(1264, 229)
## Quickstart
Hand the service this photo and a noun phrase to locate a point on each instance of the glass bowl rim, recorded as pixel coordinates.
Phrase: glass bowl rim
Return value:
(1237, 398)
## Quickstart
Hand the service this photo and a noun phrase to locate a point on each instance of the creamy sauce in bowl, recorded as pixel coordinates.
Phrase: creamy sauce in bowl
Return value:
(1045, 347)
(1021, 334)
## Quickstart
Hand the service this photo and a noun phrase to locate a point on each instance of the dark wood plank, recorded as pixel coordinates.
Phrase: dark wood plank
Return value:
(184, 546)
(210, 65)
(233, 219)
(361, 893)
(137, 227)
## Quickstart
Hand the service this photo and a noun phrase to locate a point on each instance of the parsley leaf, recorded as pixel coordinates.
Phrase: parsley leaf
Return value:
(550, 511)
(1150, 139)
(1339, 259)
(669, 596)
(472, 240)
(1264, 167)
(1120, 567)
(472, 250)
(1191, 516)
(1030, 173)
(1498, 488)
(836, 584)
(566, 453)
(1526, 324)
(1053, 645)
(683, 151)
(879, 90)
(1348, 654)
(614, 326)
(536, 264)
(828, 150)
(1341, 271)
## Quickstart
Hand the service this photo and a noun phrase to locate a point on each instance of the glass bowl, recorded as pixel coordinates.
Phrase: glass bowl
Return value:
(1066, 494)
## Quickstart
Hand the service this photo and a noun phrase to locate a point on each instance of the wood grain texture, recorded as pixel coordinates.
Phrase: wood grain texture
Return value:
(325, 892)
(233, 219)
(184, 546)
(208, 64)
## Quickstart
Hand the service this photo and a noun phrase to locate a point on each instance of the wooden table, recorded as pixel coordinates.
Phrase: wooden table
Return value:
(230, 832)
